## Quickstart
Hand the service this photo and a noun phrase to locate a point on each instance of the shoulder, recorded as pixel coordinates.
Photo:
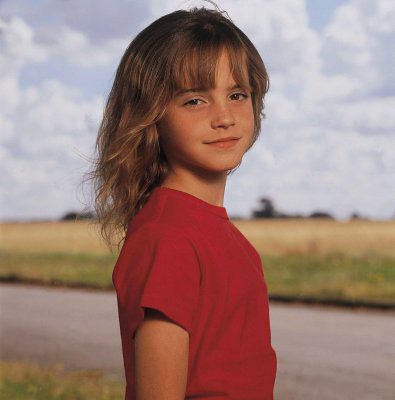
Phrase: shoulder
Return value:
(161, 250)
(159, 230)
(162, 231)
(161, 239)
(162, 212)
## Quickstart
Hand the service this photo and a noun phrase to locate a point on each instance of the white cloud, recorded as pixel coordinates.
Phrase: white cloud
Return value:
(76, 48)
(359, 40)
(17, 43)
(44, 150)
(326, 142)
(331, 133)
(372, 115)
(17, 48)
(99, 21)
(45, 130)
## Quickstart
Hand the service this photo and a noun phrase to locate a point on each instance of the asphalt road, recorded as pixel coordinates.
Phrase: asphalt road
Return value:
(323, 353)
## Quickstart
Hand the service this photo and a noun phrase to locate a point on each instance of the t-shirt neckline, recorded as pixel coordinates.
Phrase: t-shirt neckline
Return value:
(217, 210)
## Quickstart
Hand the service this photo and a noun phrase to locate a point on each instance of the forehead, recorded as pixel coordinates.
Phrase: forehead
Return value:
(193, 89)
(202, 68)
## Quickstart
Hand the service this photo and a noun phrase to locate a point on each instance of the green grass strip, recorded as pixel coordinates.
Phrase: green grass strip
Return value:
(28, 381)
(369, 277)
(86, 269)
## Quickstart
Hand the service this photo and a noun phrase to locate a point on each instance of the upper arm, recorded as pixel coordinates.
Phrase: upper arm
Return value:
(161, 358)
(167, 278)
(162, 293)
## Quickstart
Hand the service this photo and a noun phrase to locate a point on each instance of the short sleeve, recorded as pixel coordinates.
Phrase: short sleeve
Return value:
(170, 273)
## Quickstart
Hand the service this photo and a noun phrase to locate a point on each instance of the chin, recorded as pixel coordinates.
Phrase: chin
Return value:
(220, 164)
(225, 166)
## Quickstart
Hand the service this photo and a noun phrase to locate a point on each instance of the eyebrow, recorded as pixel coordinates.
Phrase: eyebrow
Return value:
(194, 90)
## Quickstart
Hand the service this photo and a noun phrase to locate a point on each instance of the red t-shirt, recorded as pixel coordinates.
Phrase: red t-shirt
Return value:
(184, 257)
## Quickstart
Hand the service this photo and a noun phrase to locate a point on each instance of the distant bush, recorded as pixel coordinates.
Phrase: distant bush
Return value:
(73, 215)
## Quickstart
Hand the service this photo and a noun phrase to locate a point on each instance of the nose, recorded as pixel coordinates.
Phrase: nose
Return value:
(222, 116)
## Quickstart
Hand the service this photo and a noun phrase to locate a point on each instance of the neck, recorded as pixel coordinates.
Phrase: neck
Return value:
(210, 190)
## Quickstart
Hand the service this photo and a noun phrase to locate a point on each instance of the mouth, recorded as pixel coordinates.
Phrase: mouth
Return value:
(224, 143)
(227, 139)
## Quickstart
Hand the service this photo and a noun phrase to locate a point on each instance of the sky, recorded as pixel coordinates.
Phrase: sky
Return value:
(327, 142)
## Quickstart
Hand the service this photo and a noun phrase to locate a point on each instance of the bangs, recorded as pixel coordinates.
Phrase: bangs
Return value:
(196, 67)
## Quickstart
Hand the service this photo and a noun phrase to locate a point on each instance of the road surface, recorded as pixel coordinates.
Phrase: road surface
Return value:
(323, 353)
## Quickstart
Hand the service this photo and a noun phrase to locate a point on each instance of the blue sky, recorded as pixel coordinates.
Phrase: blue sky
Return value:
(320, 12)
(327, 141)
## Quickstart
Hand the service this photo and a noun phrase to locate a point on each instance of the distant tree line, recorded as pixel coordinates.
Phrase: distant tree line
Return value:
(266, 209)
(73, 215)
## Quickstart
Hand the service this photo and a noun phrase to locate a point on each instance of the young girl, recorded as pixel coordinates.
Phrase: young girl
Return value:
(186, 105)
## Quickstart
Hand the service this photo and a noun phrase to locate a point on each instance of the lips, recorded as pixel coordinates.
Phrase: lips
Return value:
(224, 143)
(227, 139)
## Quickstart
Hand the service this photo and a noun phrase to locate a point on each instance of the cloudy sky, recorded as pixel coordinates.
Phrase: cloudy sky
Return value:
(326, 144)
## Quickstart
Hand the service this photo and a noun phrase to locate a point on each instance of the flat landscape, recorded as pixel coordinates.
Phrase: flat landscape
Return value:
(72, 338)
(302, 258)
(317, 348)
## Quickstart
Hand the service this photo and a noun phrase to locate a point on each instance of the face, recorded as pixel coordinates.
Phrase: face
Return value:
(196, 118)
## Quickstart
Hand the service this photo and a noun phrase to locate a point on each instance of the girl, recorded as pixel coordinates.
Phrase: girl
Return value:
(185, 106)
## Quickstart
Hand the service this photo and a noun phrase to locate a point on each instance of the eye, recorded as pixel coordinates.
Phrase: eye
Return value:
(189, 103)
(193, 102)
(240, 94)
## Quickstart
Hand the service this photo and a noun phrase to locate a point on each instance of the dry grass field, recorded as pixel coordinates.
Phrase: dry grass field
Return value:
(270, 237)
(47, 237)
(321, 259)
(320, 236)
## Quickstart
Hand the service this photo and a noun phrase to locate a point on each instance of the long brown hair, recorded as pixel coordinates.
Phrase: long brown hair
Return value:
(177, 48)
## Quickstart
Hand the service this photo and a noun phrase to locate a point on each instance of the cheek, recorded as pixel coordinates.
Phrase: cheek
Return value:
(246, 112)
(252, 119)
(247, 116)
(248, 126)
(167, 129)
(174, 134)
